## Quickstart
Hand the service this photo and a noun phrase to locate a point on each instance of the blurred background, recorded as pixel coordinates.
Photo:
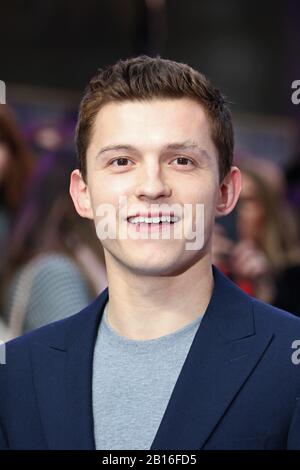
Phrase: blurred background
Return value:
(51, 264)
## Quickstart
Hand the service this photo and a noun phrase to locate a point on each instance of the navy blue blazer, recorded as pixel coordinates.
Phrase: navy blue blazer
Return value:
(238, 389)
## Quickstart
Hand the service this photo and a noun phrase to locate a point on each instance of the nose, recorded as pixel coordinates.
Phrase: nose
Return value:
(152, 184)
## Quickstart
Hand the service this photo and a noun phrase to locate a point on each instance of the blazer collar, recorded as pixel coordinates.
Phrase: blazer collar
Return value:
(224, 352)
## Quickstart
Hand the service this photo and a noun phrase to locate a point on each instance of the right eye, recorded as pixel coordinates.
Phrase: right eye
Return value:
(123, 161)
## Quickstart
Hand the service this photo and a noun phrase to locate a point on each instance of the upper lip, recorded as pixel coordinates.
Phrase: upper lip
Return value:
(150, 214)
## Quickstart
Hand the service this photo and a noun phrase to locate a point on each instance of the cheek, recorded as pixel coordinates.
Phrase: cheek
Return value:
(204, 201)
(103, 193)
(207, 195)
(107, 202)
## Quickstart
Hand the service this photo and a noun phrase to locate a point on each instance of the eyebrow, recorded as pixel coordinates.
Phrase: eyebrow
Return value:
(186, 145)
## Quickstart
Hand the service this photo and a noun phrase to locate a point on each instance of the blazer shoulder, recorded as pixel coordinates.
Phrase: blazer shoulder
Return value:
(55, 333)
(280, 320)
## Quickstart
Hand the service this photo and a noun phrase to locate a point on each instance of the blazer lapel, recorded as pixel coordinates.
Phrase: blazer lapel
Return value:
(224, 352)
(62, 372)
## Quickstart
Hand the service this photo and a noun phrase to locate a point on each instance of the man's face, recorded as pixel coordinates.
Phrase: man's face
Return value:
(167, 157)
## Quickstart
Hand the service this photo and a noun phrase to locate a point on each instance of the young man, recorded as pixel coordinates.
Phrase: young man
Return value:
(172, 355)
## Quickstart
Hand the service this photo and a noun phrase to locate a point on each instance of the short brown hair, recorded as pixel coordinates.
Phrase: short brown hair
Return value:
(144, 78)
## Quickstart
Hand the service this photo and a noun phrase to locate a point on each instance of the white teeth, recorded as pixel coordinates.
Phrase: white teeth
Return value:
(152, 220)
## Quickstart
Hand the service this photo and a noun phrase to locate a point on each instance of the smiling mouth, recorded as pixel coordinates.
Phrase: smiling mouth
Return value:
(163, 220)
(151, 227)
(151, 223)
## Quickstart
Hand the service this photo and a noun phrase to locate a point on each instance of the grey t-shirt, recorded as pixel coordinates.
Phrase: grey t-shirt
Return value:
(132, 384)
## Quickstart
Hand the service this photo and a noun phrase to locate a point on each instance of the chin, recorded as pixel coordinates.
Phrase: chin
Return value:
(153, 267)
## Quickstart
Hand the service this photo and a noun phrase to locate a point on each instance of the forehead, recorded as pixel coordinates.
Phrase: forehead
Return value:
(151, 122)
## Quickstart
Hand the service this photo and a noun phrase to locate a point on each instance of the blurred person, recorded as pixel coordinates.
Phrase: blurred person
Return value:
(266, 259)
(16, 165)
(48, 137)
(53, 268)
(172, 354)
(51, 134)
(292, 175)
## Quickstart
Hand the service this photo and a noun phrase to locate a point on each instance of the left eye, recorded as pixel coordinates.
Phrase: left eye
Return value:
(183, 160)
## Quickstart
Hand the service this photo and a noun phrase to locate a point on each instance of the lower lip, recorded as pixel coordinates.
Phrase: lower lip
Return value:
(150, 228)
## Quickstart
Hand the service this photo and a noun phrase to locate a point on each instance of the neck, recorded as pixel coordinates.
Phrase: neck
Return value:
(147, 307)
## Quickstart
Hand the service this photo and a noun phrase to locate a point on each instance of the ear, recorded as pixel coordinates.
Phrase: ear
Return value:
(80, 195)
(229, 192)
